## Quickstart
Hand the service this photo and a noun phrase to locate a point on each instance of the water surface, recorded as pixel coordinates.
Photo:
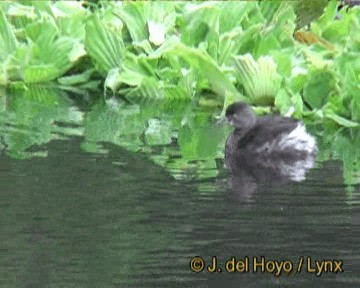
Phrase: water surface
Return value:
(89, 202)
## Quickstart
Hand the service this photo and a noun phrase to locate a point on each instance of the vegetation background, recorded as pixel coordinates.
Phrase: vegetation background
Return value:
(298, 58)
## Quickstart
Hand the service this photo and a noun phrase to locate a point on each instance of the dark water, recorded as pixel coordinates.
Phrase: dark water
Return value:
(91, 214)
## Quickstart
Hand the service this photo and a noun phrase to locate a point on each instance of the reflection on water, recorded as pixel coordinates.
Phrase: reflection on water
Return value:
(93, 214)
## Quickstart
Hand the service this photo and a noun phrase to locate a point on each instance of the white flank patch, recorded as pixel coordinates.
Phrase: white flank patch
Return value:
(297, 139)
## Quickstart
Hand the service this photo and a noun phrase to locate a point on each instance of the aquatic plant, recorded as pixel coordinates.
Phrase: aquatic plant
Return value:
(210, 53)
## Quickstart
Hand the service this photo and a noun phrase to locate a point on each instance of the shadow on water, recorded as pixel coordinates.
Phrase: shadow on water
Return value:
(113, 218)
(118, 219)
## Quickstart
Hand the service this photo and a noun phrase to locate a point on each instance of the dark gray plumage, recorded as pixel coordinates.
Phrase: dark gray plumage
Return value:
(273, 142)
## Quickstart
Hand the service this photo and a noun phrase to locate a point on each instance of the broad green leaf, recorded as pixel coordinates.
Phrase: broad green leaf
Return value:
(327, 18)
(207, 68)
(282, 25)
(269, 8)
(43, 31)
(233, 13)
(148, 21)
(259, 78)
(8, 42)
(76, 79)
(318, 87)
(132, 17)
(133, 70)
(40, 73)
(283, 101)
(200, 21)
(148, 90)
(337, 31)
(104, 46)
(340, 120)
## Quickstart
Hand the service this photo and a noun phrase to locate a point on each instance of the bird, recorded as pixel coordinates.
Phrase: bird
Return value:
(271, 142)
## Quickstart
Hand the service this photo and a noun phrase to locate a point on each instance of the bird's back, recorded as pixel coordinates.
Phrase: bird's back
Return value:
(277, 135)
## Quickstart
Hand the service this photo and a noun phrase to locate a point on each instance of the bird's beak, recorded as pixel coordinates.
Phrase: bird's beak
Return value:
(222, 121)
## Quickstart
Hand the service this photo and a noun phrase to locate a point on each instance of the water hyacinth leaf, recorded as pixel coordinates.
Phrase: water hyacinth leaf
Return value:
(70, 18)
(229, 44)
(282, 25)
(148, 21)
(176, 93)
(233, 13)
(149, 90)
(337, 31)
(104, 46)
(112, 80)
(200, 20)
(212, 41)
(133, 70)
(40, 73)
(289, 105)
(259, 78)
(8, 42)
(64, 9)
(297, 79)
(355, 110)
(267, 45)
(77, 78)
(279, 31)
(43, 56)
(283, 62)
(26, 13)
(330, 114)
(18, 10)
(318, 87)
(283, 101)
(208, 69)
(326, 18)
(246, 42)
(43, 30)
(132, 17)
(268, 8)
(342, 144)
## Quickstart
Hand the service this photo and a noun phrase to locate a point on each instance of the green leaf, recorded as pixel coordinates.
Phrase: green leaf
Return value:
(104, 46)
(43, 31)
(318, 88)
(8, 42)
(148, 21)
(259, 78)
(40, 73)
(328, 17)
(233, 13)
(132, 17)
(340, 120)
(76, 79)
(207, 68)
(283, 101)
